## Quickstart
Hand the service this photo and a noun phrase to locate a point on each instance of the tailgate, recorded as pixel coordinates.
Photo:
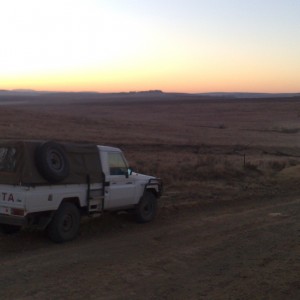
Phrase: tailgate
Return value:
(12, 201)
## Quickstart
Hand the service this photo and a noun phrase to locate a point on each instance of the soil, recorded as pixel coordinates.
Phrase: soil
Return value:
(228, 233)
(230, 251)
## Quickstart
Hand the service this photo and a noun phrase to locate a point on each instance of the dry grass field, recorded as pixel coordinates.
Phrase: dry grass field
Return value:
(202, 147)
(226, 165)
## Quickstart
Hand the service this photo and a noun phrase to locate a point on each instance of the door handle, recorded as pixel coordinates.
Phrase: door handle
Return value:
(129, 182)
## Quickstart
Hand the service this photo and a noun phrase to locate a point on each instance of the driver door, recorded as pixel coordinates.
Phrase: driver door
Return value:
(120, 189)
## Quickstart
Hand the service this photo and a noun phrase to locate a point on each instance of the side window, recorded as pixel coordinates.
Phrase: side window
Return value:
(117, 165)
(7, 159)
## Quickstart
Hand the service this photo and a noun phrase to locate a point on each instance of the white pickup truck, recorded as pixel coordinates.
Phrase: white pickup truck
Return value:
(49, 185)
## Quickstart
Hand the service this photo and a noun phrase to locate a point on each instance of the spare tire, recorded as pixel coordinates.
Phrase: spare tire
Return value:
(52, 162)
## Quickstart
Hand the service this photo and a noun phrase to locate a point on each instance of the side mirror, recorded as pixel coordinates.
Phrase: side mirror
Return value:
(129, 171)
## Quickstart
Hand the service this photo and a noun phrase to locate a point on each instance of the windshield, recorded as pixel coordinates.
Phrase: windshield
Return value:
(117, 165)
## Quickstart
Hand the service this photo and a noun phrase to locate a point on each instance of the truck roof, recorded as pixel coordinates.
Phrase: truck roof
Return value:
(108, 148)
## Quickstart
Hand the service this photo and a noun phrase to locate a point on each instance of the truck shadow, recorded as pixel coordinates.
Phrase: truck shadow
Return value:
(29, 240)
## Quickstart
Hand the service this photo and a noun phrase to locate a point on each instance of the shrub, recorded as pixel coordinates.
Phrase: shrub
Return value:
(277, 165)
(287, 130)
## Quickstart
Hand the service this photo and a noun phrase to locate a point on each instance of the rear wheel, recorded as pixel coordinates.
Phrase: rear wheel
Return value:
(147, 208)
(65, 223)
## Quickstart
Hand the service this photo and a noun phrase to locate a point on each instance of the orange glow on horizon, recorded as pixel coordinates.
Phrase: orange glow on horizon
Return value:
(167, 80)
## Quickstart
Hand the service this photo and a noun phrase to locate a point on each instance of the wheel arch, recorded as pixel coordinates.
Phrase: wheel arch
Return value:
(41, 220)
(73, 200)
(153, 191)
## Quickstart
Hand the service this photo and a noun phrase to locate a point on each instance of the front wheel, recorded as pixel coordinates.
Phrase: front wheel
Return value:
(146, 208)
(65, 223)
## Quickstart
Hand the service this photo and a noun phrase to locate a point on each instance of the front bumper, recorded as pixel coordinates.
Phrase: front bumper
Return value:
(157, 184)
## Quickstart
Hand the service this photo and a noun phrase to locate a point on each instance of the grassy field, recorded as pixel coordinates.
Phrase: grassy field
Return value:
(205, 149)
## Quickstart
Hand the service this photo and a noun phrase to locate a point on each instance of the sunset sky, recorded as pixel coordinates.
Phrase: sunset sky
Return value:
(132, 45)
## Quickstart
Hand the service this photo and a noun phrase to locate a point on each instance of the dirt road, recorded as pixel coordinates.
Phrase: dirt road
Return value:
(233, 251)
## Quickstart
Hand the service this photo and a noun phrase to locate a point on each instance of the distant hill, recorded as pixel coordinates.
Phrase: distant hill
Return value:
(249, 95)
(150, 93)
(28, 92)
(19, 92)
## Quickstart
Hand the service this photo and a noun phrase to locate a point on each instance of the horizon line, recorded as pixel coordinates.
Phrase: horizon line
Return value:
(143, 91)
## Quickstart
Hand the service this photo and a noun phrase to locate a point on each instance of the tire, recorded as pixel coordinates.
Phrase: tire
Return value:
(65, 224)
(10, 229)
(147, 208)
(52, 162)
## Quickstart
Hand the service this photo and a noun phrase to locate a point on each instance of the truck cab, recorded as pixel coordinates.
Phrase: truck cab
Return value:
(122, 186)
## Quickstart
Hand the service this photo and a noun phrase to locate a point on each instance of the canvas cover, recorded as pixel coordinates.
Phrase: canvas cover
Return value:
(18, 163)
